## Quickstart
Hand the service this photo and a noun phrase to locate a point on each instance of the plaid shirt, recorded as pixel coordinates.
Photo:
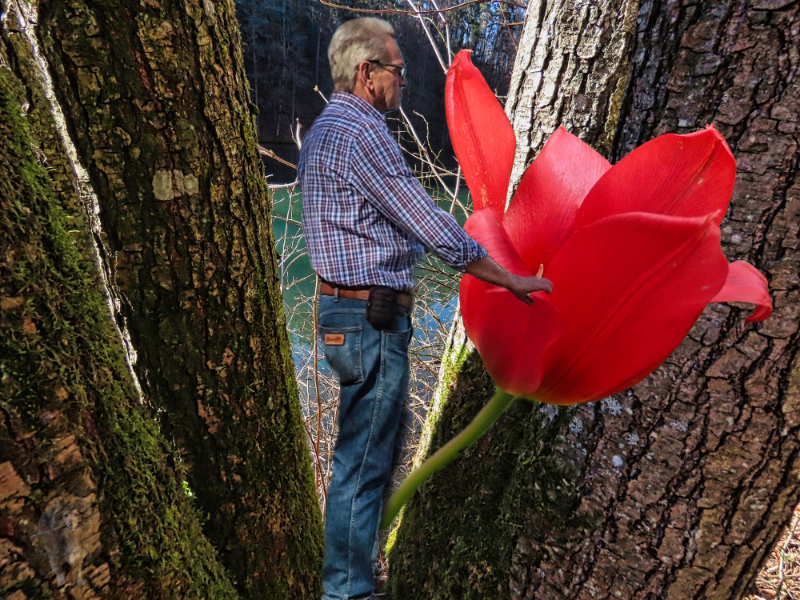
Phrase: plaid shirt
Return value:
(366, 219)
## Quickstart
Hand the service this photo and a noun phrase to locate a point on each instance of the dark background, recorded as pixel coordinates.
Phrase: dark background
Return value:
(286, 56)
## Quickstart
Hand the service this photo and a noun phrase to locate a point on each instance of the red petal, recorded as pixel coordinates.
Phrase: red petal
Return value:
(482, 137)
(510, 336)
(678, 175)
(541, 215)
(485, 227)
(746, 284)
(631, 287)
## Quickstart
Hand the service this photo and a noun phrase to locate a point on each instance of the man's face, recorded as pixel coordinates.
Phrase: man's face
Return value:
(387, 79)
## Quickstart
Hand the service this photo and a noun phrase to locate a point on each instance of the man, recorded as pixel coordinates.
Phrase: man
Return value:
(367, 221)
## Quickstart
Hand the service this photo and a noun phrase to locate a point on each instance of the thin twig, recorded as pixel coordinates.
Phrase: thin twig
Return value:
(507, 24)
(316, 368)
(508, 28)
(271, 154)
(35, 535)
(284, 186)
(316, 89)
(297, 224)
(455, 191)
(296, 134)
(424, 149)
(397, 11)
(446, 34)
(317, 469)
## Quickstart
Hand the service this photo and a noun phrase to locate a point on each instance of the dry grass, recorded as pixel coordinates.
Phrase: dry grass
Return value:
(780, 578)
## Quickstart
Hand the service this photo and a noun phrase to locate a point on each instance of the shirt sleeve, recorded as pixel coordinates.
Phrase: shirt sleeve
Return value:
(380, 173)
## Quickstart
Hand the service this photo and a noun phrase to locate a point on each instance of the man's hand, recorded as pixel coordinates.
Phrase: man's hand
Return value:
(489, 271)
(522, 287)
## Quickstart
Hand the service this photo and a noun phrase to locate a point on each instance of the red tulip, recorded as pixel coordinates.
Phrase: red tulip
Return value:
(633, 250)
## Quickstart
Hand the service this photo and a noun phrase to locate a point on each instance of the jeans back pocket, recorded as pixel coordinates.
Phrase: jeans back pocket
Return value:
(342, 348)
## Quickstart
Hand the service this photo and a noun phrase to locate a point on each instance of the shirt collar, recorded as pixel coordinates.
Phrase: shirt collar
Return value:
(356, 103)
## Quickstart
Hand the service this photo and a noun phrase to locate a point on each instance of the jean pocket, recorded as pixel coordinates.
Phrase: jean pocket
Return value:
(342, 348)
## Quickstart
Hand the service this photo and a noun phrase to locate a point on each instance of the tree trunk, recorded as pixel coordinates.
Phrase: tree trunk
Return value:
(680, 487)
(75, 442)
(156, 98)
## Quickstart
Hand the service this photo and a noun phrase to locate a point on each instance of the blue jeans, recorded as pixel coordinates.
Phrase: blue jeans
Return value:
(373, 374)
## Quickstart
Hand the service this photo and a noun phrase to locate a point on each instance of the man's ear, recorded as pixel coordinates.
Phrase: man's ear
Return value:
(365, 73)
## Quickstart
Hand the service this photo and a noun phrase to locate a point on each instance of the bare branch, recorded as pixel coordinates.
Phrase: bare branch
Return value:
(316, 89)
(428, 33)
(397, 11)
(271, 154)
(284, 186)
(446, 34)
(455, 191)
(424, 150)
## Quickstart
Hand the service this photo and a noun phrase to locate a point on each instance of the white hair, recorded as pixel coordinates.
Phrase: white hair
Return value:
(353, 42)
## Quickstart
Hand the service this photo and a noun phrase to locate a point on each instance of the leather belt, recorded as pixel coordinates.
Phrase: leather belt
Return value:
(360, 293)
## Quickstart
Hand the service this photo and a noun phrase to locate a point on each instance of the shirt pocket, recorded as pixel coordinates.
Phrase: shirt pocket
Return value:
(342, 348)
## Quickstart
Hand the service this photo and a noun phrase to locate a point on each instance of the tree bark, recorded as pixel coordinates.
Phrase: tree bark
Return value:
(680, 487)
(73, 435)
(156, 99)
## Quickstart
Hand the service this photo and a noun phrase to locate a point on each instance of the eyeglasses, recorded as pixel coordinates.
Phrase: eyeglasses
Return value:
(401, 72)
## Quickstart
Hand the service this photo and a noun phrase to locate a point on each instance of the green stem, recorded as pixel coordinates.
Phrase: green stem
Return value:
(446, 454)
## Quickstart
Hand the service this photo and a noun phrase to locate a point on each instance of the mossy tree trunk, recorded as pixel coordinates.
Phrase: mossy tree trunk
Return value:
(155, 98)
(74, 439)
(680, 487)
